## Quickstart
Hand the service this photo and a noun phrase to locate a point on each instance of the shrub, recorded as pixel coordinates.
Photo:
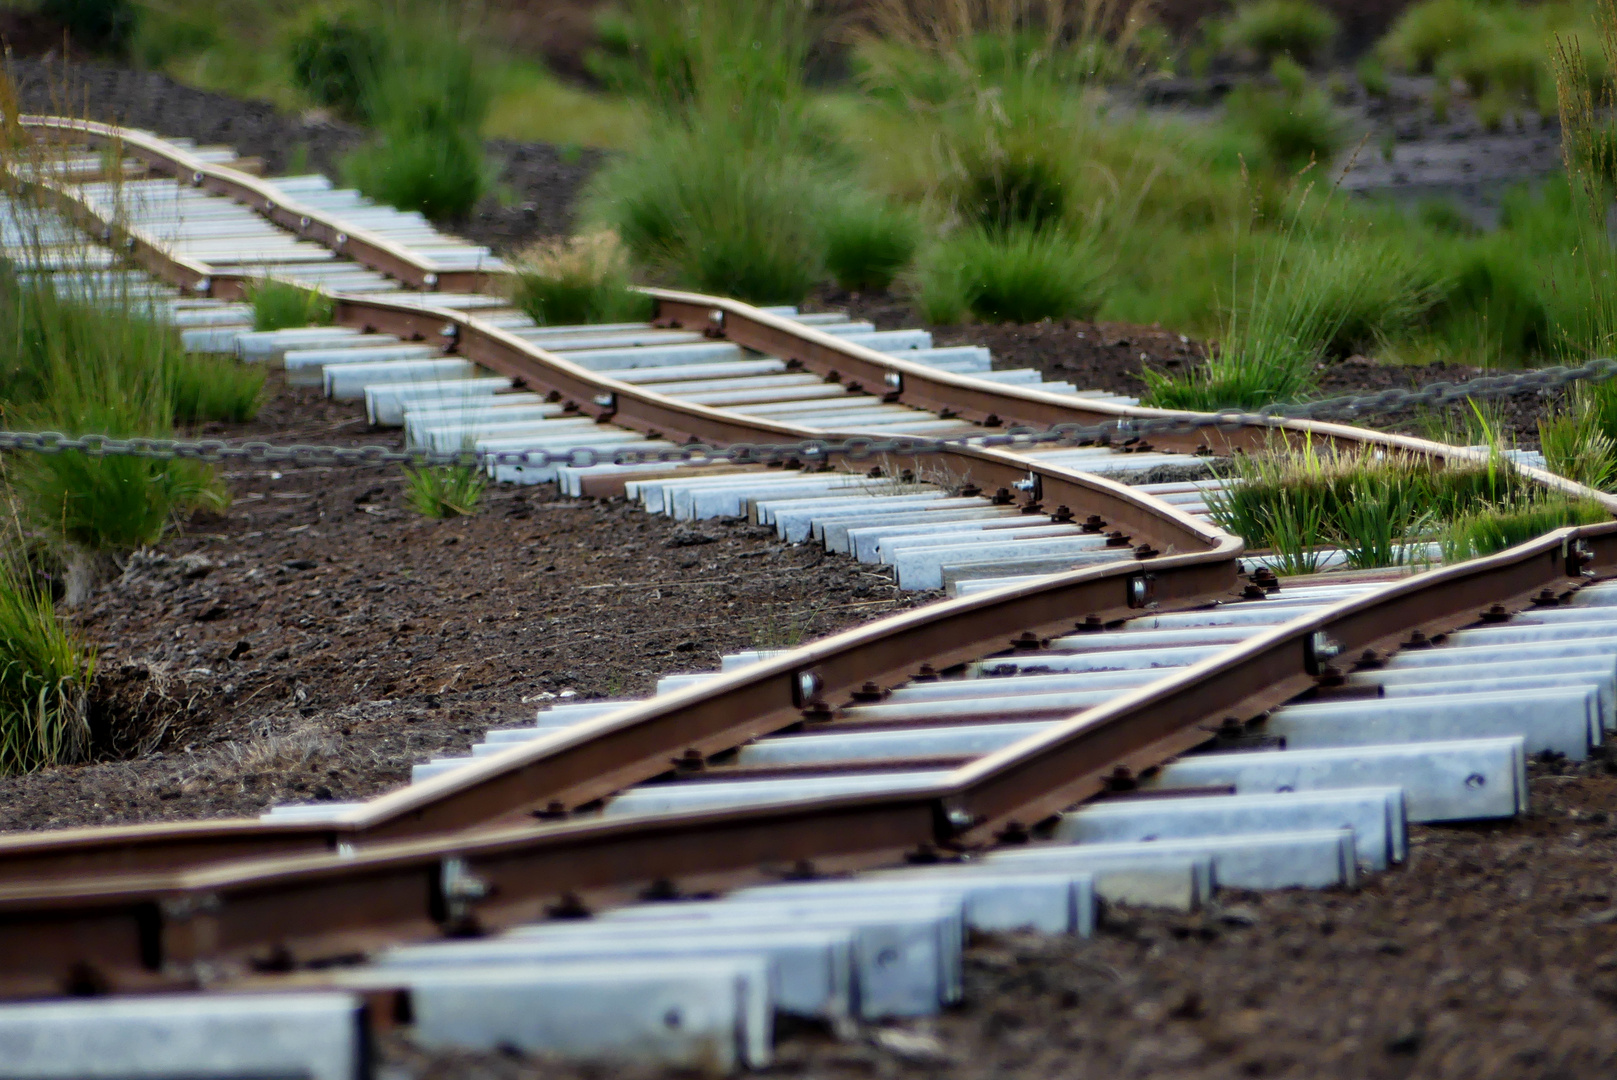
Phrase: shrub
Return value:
(440, 491)
(868, 243)
(279, 304)
(582, 280)
(332, 56)
(717, 213)
(94, 24)
(1270, 28)
(45, 674)
(1019, 276)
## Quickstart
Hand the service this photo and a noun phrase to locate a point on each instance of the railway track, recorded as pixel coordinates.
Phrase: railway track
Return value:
(1112, 709)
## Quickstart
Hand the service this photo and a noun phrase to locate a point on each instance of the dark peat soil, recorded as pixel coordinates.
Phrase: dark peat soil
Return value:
(319, 637)
(1492, 955)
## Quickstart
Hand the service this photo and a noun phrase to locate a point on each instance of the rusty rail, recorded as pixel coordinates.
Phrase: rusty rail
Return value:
(189, 927)
(361, 245)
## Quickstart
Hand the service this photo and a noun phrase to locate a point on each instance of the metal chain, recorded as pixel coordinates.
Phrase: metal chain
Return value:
(1345, 407)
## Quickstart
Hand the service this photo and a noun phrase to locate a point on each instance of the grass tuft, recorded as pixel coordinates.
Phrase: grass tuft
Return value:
(581, 280)
(426, 97)
(868, 243)
(717, 213)
(1019, 276)
(444, 491)
(45, 674)
(1268, 29)
(216, 388)
(278, 305)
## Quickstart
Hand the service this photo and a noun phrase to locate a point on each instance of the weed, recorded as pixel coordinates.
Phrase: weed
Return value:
(1018, 276)
(868, 243)
(1271, 28)
(582, 280)
(45, 674)
(440, 491)
(1372, 75)
(279, 304)
(1378, 510)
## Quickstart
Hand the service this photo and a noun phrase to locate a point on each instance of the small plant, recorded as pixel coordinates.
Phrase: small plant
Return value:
(581, 280)
(1020, 276)
(868, 243)
(280, 304)
(1299, 29)
(1006, 176)
(442, 491)
(45, 675)
(332, 56)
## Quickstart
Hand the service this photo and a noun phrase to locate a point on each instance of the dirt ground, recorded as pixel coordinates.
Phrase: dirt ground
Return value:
(1491, 955)
(319, 637)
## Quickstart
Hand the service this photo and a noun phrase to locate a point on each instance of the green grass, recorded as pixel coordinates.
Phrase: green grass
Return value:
(1501, 52)
(278, 305)
(583, 280)
(444, 491)
(1268, 29)
(426, 98)
(1296, 500)
(216, 388)
(105, 368)
(1021, 275)
(868, 243)
(45, 675)
(708, 209)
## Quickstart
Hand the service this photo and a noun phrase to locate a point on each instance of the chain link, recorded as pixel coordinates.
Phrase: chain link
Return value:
(1346, 407)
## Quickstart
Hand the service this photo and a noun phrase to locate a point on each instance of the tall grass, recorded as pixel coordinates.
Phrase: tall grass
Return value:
(582, 280)
(104, 367)
(426, 97)
(45, 675)
(1379, 510)
(1022, 275)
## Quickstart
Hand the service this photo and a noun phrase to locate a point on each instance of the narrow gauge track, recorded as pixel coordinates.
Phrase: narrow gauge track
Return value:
(984, 720)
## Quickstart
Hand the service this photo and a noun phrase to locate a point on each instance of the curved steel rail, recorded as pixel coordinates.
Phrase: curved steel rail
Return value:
(992, 404)
(194, 926)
